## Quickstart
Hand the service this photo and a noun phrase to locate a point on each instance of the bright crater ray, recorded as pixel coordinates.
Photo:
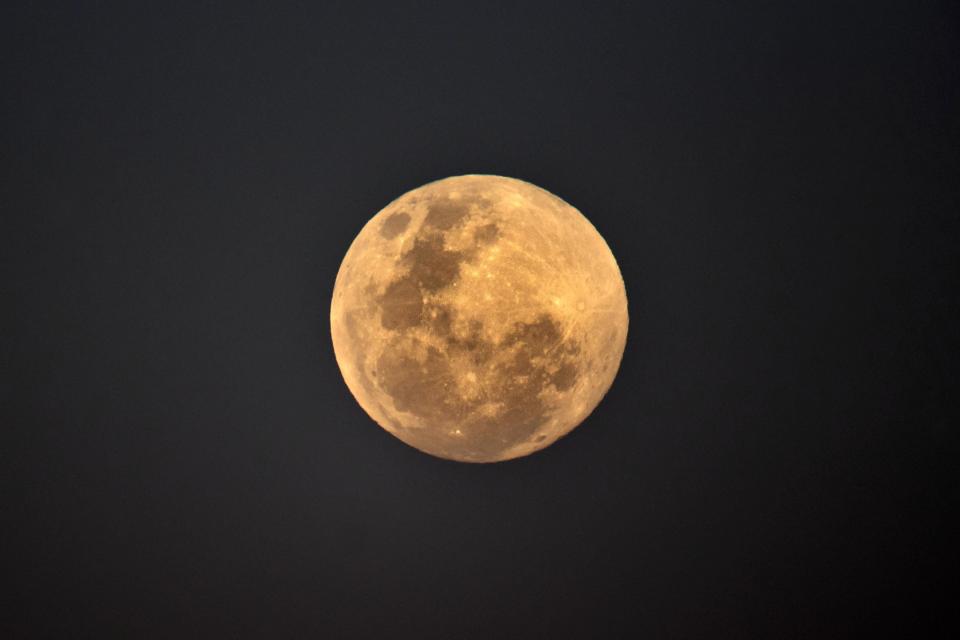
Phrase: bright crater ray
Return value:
(479, 318)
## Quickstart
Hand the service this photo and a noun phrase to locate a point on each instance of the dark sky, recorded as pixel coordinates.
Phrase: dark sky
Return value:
(181, 458)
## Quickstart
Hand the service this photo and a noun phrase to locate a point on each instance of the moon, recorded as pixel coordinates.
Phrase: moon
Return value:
(479, 318)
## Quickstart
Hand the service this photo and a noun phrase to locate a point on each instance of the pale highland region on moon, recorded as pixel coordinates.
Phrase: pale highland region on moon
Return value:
(479, 318)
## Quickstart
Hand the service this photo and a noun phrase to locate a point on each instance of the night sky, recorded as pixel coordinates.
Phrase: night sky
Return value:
(780, 184)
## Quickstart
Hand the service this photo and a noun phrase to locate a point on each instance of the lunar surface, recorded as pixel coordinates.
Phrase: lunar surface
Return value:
(479, 318)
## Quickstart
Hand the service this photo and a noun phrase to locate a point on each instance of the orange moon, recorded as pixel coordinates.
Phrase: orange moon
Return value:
(479, 318)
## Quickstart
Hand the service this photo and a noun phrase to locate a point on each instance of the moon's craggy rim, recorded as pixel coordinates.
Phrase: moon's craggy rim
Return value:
(524, 375)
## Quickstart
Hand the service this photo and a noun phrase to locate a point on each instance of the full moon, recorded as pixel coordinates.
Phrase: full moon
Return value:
(479, 318)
